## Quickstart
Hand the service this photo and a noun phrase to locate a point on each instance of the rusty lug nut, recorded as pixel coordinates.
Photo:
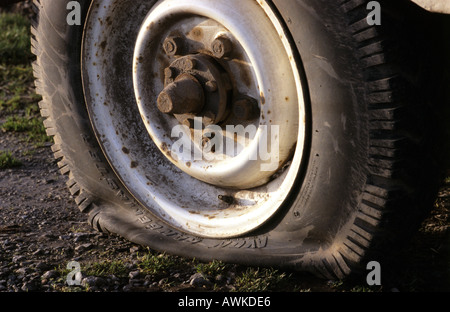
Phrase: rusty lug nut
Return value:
(221, 47)
(187, 63)
(246, 108)
(183, 96)
(169, 72)
(173, 45)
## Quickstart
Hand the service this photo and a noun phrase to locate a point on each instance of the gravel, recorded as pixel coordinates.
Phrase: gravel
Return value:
(42, 231)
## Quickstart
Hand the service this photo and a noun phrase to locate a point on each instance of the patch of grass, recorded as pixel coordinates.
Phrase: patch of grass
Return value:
(117, 268)
(212, 268)
(103, 269)
(19, 124)
(28, 153)
(30, 125)
(18, 99)
(16, 79)
(16, 73)
(59, 283)
(17, 93)
(363, 288)
(260, 279)
(7, 161)
(15, 46)
(152, 264)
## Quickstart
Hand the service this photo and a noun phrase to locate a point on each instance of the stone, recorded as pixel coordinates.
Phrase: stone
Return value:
(199, 280)
(50, 274)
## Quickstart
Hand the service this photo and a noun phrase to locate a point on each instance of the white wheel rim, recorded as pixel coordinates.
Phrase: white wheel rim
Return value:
(172, 190)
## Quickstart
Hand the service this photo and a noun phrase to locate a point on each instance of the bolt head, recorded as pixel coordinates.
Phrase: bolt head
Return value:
(165, 103)
(221, 47)
(187, 63)
(169, 73)
(173, 45)
(184, 95)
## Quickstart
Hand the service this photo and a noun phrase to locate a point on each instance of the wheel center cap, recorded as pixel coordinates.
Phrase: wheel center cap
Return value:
(196, 86)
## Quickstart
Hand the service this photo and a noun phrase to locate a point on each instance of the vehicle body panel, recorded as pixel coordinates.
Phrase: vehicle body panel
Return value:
(438, 6)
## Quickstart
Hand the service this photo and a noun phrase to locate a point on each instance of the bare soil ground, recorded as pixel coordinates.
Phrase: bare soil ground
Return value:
(42, 230)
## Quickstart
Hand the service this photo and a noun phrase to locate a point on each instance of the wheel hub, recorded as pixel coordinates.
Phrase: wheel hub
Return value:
(191, 70)
(195, 86)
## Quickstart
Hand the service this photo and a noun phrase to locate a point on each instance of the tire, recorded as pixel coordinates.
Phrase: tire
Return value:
(364, 179)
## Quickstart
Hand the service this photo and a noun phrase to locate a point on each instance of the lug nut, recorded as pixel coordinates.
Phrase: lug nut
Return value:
(246, 108)
(187, 63)
(169, 72)
(221, 47)
(173, 45)
(183, 96)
